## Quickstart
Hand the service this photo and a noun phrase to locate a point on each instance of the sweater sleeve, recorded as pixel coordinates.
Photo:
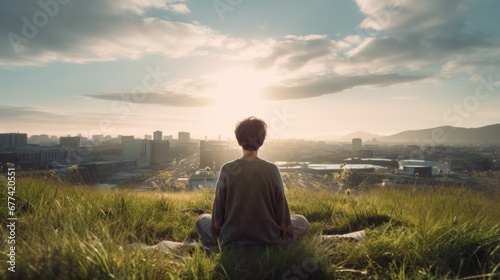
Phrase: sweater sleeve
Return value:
(219, 207)
(281, 207)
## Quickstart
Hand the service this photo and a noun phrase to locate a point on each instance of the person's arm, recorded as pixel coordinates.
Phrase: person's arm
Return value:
(281, 208)
(219, 206)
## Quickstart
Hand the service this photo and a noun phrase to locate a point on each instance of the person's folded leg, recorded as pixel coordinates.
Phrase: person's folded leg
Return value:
(299, 225)
(204, 230)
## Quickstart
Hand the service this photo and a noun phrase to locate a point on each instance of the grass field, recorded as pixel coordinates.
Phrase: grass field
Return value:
(78, 232)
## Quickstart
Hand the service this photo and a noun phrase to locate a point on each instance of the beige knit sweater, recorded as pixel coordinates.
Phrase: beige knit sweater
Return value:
(250, 207)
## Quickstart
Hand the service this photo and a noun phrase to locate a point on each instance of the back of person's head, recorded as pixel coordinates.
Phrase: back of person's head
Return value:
(251, 133)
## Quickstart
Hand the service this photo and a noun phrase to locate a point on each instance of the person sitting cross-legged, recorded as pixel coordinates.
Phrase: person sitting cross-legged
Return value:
(250, 207)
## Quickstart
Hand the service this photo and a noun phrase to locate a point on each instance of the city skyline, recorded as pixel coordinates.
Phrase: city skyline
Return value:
(310, 70)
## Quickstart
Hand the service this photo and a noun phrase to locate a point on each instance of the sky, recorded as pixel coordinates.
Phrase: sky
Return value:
(309, 69)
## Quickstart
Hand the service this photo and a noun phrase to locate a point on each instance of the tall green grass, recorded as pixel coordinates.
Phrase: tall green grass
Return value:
(77, 232)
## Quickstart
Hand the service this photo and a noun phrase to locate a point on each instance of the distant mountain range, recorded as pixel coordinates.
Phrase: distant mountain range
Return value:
(438, 135)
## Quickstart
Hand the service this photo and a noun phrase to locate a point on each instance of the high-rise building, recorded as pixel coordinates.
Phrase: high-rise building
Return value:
(138, 150)
(184, 136)
(157, 135)
(13, 140)
(214, 154)
(357, 142)
(127, 138)
(70, 142)
(44, 138)
(159, 152)
(97, 138)
(34, 139)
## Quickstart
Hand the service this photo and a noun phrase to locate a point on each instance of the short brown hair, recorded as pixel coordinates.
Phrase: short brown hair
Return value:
(251, 133)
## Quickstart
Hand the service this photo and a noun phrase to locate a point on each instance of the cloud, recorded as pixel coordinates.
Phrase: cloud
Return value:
(406, 17)
(294, 52)
(405, 98)
(140, 6)
(43, 120)
(349, 41)
(415, 53)
(175, 93)
(418, 38)
(25, 113)
(180, 8)
(163, 98)
(97, 30)
(419, 35)
(25, 118)
(329, 83)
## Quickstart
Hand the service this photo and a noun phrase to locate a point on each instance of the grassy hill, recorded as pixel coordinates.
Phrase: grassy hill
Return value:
(77, 232)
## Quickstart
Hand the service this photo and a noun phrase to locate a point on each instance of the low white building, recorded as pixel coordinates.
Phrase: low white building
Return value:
(203, 178)
(412, 166)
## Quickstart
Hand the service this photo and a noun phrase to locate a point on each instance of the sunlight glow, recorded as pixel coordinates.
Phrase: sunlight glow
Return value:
(237, 92)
